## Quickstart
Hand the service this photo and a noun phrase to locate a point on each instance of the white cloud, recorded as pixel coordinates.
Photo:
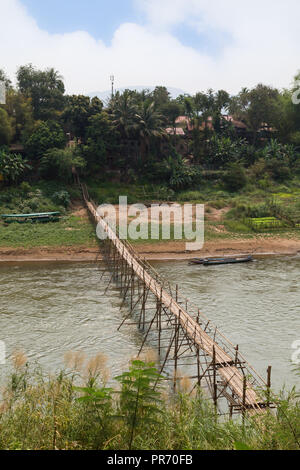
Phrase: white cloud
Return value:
(263, 46)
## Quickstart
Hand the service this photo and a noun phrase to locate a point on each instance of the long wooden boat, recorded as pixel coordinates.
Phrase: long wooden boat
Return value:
(218, 261)
(202, 260)
(41, 217)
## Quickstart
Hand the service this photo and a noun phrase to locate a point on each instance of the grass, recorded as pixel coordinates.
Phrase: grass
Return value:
(74, 409)
(70, 231)
(109, 193)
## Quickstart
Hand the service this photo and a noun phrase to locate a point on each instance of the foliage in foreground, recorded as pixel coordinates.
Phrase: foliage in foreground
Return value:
(50, 412)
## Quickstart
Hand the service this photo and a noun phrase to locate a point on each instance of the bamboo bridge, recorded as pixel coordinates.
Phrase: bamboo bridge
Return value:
(183, 337)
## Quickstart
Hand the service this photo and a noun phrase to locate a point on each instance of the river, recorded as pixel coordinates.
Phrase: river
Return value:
(48, 309)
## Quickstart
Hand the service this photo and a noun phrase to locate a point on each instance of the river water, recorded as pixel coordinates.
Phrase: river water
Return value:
(48, 309)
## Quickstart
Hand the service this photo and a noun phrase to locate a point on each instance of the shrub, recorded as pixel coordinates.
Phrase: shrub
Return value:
(235, 177)
(46, 136)
(184, 176)
(187, 196)
(270, 208)
(218, 203)
(279, 170)
(258, 169)
(62, 198)
(236, 226)
(264, 183)
(58, 163)
(12, 166)
(25, 187)
(40, 412)
(223, 150)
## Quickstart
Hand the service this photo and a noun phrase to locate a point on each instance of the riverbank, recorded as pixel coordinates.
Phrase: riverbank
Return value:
(73, 239)
(258, 246)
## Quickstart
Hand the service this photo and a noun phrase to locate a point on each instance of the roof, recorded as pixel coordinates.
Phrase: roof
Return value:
(238, 124)
(181, 119)
(209, 123)
(185, 121)
(16, 148)
(178, 131)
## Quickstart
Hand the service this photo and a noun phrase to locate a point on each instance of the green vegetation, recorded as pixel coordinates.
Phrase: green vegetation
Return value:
(12, 166)
(70, 230)
(240, 155)
(233, 153)
(76, 409)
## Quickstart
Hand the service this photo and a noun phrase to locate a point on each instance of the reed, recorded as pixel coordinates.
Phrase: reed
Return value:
(40, 411)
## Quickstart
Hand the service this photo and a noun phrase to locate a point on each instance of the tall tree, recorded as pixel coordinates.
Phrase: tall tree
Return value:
(47, 135)
(255, 107)
(4, 78)
(124, 110)
(149, 125)
(221, 105)
(102, 139)
(46, 89)
(78, 110)
(6, 130)
(160, 96)
(19, 109)
(172, 110)
(292, 110)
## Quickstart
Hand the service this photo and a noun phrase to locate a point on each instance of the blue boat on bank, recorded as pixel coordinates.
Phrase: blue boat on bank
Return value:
(42, 217)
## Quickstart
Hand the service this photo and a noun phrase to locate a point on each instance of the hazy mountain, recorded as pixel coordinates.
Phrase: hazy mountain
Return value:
(104, 96)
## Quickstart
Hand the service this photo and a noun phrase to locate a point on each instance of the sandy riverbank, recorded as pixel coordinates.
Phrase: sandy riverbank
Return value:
(158, 251)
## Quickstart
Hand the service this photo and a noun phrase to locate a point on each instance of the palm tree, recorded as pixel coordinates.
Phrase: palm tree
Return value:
(124, 110)
(149, 125)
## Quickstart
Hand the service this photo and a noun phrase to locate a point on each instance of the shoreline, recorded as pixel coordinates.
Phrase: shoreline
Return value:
(163, 251)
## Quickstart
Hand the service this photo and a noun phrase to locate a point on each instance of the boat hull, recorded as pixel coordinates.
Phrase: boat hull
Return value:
(218, 261)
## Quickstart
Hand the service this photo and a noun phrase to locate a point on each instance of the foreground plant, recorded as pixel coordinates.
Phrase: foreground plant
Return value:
(40, 411)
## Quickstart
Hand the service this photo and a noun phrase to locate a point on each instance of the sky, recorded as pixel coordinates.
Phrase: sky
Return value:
(188, 44)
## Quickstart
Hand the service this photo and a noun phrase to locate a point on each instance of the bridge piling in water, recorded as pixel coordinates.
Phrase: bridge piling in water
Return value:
(182, 336)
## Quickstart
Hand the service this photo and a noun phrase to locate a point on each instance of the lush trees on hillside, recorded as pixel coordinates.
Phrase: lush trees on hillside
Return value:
(257, 128)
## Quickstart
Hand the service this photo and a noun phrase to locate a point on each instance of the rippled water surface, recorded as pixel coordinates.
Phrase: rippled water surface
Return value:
(49, 309)
(256, 305)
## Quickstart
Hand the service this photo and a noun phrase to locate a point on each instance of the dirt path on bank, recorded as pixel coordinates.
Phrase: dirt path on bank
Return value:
(158, 251)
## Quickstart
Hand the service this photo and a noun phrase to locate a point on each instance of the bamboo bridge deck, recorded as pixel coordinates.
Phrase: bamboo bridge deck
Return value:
(218, 361)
